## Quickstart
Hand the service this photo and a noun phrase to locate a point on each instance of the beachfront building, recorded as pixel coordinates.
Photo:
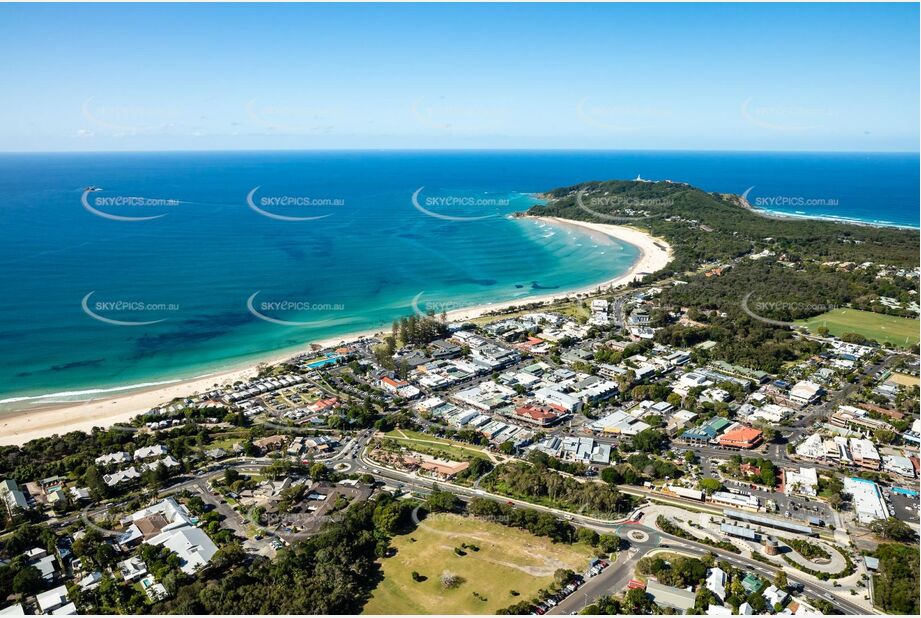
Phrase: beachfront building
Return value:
(13, 498)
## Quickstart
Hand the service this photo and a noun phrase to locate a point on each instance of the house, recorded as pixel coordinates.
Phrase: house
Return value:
(120, 457)
(132, 569)
(55, 602)
(13, 497)
(147, 523)
(716, 582)
(121, 477)
(192, 545)
(91, 581)
(150, 452)
(774, 596)
(751, 583)
(669, 596)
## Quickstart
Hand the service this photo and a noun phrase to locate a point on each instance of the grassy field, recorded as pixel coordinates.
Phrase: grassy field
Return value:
(508, 559)
(883, 328)
(904, 379)
(573, 309)
(440, 447)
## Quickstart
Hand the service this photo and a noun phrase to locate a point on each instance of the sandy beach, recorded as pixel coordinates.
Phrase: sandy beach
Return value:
(18, 427)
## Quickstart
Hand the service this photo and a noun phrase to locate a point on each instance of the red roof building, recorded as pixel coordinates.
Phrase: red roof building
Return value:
(741, 437)
(537, 416)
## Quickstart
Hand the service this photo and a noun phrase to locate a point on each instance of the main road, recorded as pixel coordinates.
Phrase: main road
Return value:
(612, 579)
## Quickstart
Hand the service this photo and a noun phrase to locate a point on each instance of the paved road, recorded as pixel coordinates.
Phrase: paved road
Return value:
(612, 575)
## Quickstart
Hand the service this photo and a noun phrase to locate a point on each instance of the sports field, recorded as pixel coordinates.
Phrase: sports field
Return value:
(886, 329)
(509, 559)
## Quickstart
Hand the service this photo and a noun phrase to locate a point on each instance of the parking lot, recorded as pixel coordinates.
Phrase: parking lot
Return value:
(906, 507)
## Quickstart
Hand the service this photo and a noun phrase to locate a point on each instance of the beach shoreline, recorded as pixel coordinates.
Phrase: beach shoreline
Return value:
(38, 421)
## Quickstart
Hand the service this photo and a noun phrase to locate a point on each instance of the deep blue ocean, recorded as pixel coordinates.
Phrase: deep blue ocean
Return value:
(160, 273)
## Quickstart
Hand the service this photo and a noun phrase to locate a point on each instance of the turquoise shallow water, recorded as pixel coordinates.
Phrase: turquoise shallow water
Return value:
(94, 304)
(192, 270)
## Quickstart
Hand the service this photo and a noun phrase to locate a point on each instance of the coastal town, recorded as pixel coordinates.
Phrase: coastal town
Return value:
(691, 484)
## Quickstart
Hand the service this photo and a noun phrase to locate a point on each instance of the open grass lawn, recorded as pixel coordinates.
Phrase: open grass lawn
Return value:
(508, 559)
(904, 379)
(889, 329)
(573, 309)
(450, 449)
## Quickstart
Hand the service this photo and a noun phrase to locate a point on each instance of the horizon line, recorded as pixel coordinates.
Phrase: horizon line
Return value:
(453, 149)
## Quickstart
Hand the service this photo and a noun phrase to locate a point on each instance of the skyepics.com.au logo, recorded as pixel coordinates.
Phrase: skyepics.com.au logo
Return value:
(458, 116)
(121, 119)
(784, 117)
(623, 208)
(756, 309)
(283, 311)
(116, 311)
(293, 118)
(786, 201)
(432, 307)
(621, 117)
(272, 206)
(107, 206)
(455, 207)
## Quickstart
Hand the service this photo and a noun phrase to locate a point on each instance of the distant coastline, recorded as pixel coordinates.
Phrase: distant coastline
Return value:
(121, 404)
(781, 216)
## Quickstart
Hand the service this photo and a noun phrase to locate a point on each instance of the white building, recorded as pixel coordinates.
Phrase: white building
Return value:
(806, 392)
(811, 448)
(804, 483)
(716, 582)
(192, 545)
(867, 500)
(55, 602)
(558, 400)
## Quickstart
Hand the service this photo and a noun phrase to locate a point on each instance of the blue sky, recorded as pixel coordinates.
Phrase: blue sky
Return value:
(655, 76)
